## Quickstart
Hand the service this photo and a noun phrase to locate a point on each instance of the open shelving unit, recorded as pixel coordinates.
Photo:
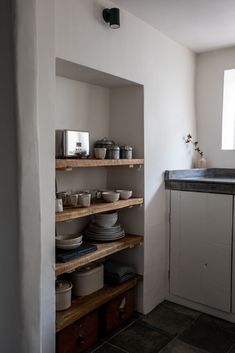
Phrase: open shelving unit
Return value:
(69, 164)
(115, 116)
(75, 213)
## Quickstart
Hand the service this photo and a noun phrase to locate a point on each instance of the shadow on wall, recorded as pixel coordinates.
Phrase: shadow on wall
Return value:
(9, 251)
(157, 235)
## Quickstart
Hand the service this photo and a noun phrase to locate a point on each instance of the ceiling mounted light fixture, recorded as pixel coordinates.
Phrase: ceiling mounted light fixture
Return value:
(112, 16)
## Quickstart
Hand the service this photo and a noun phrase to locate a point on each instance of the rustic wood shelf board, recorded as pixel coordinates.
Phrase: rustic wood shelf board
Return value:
(74, 213)
(103, 250)
(82, 306)
(68, 164)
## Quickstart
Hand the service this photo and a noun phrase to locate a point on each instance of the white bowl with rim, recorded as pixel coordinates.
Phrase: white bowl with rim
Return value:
(106, 220)
(125, 194)
(110, 196)
(68, 239)
(69, 246)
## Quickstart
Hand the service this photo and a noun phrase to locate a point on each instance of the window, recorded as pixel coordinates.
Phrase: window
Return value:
(228, 120)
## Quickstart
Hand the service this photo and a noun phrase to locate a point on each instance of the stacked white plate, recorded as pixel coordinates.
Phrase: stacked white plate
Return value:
(97, 233)
(69, 241)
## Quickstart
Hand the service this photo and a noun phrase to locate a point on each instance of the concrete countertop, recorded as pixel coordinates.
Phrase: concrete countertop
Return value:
(212, 180)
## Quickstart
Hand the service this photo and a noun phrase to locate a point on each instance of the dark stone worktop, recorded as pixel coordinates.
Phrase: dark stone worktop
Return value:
(214, 180)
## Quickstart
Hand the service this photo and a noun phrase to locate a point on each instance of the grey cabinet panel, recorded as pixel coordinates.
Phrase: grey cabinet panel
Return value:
(200, 248)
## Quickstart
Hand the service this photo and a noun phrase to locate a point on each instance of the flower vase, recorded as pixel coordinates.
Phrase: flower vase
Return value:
(201, 163)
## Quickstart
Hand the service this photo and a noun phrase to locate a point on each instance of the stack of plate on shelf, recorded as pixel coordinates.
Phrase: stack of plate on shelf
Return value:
(68, 242)
(104, 227)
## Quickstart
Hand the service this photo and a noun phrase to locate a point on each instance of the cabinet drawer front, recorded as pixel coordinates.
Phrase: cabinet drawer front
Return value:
(79, 336)
(201, 241)
(118, 311)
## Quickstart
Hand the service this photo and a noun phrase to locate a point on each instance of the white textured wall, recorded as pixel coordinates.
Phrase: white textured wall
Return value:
(142, 54)
(35, 75)
(210, 68)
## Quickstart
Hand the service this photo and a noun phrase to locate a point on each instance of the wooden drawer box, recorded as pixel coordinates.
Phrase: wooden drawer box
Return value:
(79, 336)
(118, 311)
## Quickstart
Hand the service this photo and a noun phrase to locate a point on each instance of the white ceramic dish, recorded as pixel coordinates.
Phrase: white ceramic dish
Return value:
(110, 196)
(125, 194)
(68, 239)
(100, 230)
(107, 238)
(69, 246)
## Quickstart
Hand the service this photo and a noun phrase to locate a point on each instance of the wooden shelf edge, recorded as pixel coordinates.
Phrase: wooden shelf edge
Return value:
(104, 249)
(68, 164)
(82, 306)
(75, 213)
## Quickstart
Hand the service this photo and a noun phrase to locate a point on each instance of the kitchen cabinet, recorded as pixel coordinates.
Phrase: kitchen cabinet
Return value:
(201, 226)
(82, 306)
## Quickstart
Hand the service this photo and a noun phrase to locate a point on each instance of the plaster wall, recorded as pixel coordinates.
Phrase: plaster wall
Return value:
(85, 107)
(139, 53)
(9, 256)
(35, 75)
(210, 68)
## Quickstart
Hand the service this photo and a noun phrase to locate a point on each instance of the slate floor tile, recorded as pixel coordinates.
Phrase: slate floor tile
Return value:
(232, 350)
(108, 348)
(139, 338)
(98, 344)
(171, 318)
(177, 346)
(211, 334)
(122, 327)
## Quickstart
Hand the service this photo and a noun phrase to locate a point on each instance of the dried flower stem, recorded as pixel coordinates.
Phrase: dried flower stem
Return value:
(195, 144)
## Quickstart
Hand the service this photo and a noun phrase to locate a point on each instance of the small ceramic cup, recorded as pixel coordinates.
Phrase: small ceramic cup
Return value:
(64, 196)
(73, 200)
(84, 200)
(100, 153)
(58, 205)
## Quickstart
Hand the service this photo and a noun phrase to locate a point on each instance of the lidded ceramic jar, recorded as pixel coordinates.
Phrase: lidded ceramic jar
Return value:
(126, 152)
(104, 143)
(63, 295)
(113, 152)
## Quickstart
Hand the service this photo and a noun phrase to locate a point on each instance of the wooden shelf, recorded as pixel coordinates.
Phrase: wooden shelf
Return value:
(82, 306)
(74, 213)
(68, 164)
(103, 249)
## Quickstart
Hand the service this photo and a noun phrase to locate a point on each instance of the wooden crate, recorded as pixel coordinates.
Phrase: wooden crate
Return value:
(79, 336)
(117, 311)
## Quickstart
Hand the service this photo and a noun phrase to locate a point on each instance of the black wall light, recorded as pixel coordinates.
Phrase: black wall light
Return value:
(112, 16)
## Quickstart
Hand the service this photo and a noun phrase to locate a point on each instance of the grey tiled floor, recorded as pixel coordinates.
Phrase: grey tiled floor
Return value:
(171, 328)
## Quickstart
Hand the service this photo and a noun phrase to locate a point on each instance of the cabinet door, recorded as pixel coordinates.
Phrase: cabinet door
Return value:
(200, 248)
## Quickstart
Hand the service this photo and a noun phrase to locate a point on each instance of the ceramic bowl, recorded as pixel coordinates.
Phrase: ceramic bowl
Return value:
(100, 153)
(125, 194)
(69, 246)
(68, 239)
(110, 196)
(106, 220)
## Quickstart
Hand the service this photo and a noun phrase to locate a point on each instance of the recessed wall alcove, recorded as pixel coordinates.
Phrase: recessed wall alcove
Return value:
(106, 106)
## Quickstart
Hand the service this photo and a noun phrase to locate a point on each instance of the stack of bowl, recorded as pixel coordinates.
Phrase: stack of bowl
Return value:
(68, 242)
(104, 227)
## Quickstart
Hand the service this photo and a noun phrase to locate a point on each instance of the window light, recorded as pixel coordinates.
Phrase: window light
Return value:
(228, 118)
